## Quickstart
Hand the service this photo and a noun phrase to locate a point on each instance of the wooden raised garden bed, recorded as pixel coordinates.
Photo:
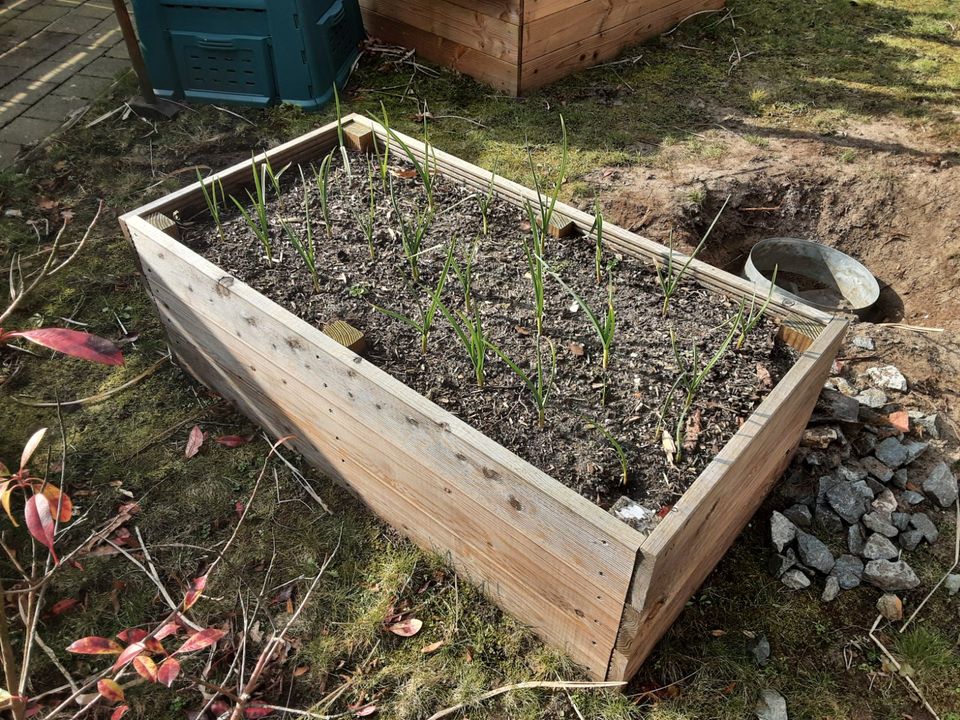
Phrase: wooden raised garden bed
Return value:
(519, 45)
(582, 579)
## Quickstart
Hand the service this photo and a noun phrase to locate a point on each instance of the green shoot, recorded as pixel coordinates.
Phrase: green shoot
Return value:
(213, 201)
(343, 146)
(412, 232)
(546, 209)
(692, 375)
(305, 246)
(606, 328)
(425, 324)
(598, 246)
(534, 249)
(484, 201)
(422, 168)
(541, 383)
(383, 159)
(754, 316)
(668, 279)
(614, 443)
(259, 225)
(465, 274)
(469, 330)
(367, 219)
(323, 185)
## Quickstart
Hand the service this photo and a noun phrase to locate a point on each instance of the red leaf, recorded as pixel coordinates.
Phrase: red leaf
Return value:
(76, 343)
(40, 521)
(62, 606)
(168, 671)
(366, 711)
(167, 630)
(145, 667)
(131, 651)
(233, 441)
(193, 594)
(31, 447)
(204, 638)
(664, 511)
(58, 501)
(119, 712)
(94, 645)
(136, 635)
(256, 710)
(110, 690)
(406, 628)
(194, 441)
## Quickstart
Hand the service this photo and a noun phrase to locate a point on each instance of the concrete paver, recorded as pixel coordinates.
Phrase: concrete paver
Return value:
(55, 57)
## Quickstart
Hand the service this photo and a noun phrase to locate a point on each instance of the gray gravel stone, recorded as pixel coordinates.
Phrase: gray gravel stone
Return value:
(912, 498)
(831, 589)
(900, 479)
(772, 706)
(782, 531)
(795, 580)
(799, 515)
(952, 584)
(875, 486)
(827, 520)
(847, 501)
(637, 516)
(891, 453)
(779, 564)
(848, 571)
(914, 450)
(759, 647)
(878, 547)
(941, 485)
(876, 468)
(855, 539)
(865, 442)
(923, 523)
(910, 540)
(863, 342)
(900, 520)
(880, 521)
(824, 483)
(851, 471)
(813, 553)
(868, 488)
(872, 398)
(886, 501)
(890, 576)
(887, 377)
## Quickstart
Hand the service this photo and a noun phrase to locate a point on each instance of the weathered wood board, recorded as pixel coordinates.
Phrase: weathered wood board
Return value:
(581, 579)
(519, 45)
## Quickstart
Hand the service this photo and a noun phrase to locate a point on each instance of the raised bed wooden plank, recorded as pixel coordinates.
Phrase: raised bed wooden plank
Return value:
(606, 45)
(689, 542)
(581, 571)
(498, 72)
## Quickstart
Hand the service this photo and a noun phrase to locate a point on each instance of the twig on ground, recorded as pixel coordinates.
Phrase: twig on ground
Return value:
(530, 684)
(82, 243)
(99, 397)
(896, 666)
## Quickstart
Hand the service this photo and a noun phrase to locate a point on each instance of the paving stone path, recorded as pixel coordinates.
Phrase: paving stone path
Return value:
(55, 57)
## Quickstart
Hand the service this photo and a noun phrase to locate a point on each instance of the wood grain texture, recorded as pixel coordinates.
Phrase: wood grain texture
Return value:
(689, 542)
(553, 559)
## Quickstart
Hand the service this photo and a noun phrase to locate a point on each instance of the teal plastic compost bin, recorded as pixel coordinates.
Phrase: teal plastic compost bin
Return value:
(250, 52)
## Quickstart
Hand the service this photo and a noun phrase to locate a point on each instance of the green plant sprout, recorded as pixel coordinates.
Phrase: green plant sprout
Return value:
(539, 385)
(753, 317)
(259, 225)
(605, 328)
(614, 443)
(485, 201)
(425, 324)
(305, 246)
(323, 185)
(412, 232)
(213, 201)
(421, 168)
(367, 219)
(597, 230)
(546, 209)
(465, 274)
(692, 376)
(468, 328)
(383, 159)
(534, 250)
(343, 146)
(668, 280)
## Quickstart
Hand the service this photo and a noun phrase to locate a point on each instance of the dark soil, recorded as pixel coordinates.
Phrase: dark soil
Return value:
(642, 367)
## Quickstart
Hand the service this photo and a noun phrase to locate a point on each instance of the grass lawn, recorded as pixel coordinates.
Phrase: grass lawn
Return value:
(818, 69)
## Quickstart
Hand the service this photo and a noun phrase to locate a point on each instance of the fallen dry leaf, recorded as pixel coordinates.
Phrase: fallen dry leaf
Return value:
(692, 432)
(406, 628)
(194, 441)
(576, 349)
(432, 647)
(763, 375)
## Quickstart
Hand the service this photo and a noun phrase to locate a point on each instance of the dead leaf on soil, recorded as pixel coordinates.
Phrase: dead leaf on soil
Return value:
(194, 441)
(576, 349)
(763, 375)
(432, 647)
(406, 628)
(692, 432)
(669, 447)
